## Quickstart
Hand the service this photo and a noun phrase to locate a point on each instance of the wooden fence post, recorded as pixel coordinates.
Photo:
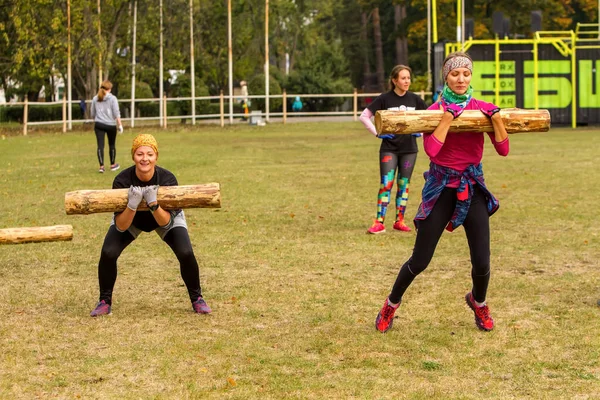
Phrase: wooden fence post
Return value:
(64, 114)
(25, 114)
(355, 105)
(165, 111)
(284, 106)
(222, 109)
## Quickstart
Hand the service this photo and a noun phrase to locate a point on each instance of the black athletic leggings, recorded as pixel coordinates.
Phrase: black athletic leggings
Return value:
(477, 228)
(114, 244)
(111, 132)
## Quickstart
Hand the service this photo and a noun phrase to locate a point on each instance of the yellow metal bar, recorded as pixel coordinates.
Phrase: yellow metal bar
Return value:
(573, 81)
(434, 20)
(458, 22)
(452, 47)
(497, 56)
(558, 43)
(594, 31)
(535, 76)
(562, 48)
(512, 41)
(467, 45)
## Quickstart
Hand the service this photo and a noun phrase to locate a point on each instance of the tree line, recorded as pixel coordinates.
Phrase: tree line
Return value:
(315, 46)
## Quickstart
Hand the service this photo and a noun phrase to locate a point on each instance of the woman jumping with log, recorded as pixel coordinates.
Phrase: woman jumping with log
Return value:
(143, 180)
(106, 114)
(454, 193)
(397, 153)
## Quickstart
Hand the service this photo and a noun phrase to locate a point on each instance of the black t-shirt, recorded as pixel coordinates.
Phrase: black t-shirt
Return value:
(144, 220)
(400, 144)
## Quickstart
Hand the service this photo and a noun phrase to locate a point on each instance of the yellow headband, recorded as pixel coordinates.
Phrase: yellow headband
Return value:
(144, 139)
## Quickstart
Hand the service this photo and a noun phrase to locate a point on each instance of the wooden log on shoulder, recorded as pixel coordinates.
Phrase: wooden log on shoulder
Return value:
(36, 234)
(425, 121)
(169, 197)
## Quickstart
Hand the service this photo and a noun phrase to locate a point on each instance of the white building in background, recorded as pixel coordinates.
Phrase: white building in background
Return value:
(174, 73)
(3, 99)
(57, 90)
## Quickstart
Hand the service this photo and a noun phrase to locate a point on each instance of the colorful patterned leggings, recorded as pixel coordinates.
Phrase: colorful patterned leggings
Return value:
(389, 163)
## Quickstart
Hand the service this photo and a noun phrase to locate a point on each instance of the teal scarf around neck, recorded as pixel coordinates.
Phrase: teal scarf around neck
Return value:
(449, 97)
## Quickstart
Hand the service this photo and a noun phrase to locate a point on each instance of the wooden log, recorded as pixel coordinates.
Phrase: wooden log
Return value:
(169, 197)
(425, 121)
(36, 234)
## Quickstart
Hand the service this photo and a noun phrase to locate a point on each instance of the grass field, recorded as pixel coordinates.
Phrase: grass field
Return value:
(294, 281)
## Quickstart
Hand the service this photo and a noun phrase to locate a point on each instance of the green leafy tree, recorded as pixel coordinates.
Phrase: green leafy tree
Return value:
(321, 69)
(366, 37)
(30, 35)
(91, 49)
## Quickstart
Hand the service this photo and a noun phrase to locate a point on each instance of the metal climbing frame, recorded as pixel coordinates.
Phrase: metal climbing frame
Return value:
(582, 44)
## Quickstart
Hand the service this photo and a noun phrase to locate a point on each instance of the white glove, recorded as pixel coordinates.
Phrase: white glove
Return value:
(150, 193)
(120, 128)
(134, 197)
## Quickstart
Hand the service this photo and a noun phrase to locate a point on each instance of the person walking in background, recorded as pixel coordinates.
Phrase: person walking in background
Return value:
(106, 115)
(82, 107)
(398, 153)
(245, 105)
(143, 180)
(455, 193)
(297, 104)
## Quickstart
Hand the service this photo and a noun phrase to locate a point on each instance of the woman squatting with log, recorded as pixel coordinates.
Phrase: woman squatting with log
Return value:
(454, 193)
(397, 153)
(143, 180)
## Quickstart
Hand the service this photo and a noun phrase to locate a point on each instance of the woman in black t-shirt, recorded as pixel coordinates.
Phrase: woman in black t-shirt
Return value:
(143, 180)
(398, 153)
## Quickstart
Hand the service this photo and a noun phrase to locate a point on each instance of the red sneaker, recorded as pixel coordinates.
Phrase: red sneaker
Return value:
(401, 226)
(385, 318)
(376, 228)
(483, 320)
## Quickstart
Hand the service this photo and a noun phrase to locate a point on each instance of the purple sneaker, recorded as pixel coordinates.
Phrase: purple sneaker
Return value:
(200, 306)
(102, 308)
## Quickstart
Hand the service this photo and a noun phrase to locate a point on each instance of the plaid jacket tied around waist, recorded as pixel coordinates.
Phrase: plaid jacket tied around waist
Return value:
(438, 177)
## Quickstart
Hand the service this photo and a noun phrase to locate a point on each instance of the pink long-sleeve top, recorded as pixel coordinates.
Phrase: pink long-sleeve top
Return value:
(460, 149)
